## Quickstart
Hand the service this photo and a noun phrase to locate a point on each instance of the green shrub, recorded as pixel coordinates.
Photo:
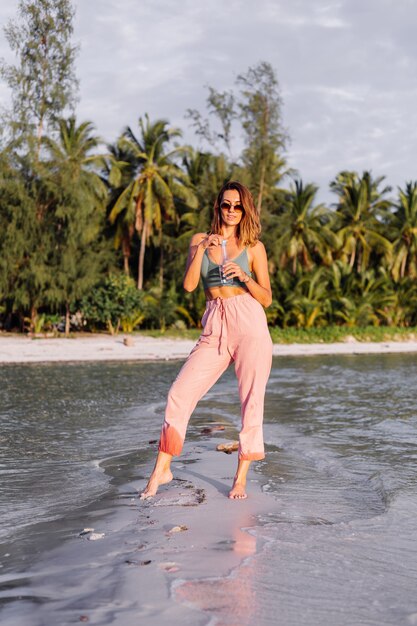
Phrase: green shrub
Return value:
(114, 302)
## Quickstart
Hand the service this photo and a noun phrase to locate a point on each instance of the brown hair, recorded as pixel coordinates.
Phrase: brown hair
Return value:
(249, 227)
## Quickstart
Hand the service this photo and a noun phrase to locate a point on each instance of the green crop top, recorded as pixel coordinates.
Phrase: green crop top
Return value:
(210, 272)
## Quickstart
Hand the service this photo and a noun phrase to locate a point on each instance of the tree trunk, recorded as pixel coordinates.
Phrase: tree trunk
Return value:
(360, 259)
(266, 122)
(403, 265)
(261, 189)
(33, 316)
(161, 263)
(39, 138)
(142, 254)
(67, 319)
(126, 255)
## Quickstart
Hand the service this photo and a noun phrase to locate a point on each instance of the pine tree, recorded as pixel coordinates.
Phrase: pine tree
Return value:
(260, 107)
(257, 106)
(43, 86)
(79, 253)
(25, 238)
(42, 82)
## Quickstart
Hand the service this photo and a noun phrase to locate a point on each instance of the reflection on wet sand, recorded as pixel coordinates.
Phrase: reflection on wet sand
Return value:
(230, 600)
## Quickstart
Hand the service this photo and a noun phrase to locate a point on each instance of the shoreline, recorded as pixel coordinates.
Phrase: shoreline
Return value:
(25, 349)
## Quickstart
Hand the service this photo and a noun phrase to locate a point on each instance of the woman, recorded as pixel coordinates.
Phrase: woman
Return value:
(234, 330)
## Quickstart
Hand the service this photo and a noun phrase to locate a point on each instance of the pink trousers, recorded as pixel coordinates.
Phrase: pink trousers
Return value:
(234, 330)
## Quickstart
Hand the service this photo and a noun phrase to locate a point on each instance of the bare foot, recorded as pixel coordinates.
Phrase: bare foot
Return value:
(238, 492)
(156, 479)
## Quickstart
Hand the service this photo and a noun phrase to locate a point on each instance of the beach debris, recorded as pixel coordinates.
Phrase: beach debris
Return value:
(128, 342)
(178, 529)
(128, 562)
(200, 495)
(153, 441)
(84, 618)
(229, 447)
(89, 534)
(169, 566)
(95, 536)
(349, 339)
(207, 430)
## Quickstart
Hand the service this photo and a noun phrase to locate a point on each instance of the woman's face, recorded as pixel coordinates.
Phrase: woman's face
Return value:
(231, 209)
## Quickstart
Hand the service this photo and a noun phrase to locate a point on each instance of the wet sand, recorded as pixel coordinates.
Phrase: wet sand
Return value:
(169, 560)
(22, 349)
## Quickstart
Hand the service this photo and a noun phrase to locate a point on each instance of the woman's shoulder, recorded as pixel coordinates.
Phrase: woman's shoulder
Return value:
(197, 238)
(256, 252)
(257, 247)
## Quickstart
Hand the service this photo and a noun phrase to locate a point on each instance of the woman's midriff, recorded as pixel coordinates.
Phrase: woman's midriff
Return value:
(224, 292)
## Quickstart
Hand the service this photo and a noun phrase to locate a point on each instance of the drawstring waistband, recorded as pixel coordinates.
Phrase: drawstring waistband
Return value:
(221, 304)
(223, 327)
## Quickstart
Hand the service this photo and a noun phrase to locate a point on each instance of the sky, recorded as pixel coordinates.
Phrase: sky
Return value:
(347, 71)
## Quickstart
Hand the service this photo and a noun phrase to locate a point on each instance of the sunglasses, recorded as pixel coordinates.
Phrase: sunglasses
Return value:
(226, 206)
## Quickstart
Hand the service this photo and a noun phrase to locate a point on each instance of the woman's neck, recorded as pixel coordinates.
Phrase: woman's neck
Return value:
(229, 233)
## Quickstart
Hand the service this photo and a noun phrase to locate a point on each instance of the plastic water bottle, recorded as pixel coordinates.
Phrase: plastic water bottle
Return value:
(225, 258)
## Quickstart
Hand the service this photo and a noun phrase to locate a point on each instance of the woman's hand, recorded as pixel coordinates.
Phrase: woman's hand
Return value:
(211, 241)
(199, 243)
(232, 270)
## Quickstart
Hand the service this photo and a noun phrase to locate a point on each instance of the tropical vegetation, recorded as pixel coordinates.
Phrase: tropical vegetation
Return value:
(94, 235)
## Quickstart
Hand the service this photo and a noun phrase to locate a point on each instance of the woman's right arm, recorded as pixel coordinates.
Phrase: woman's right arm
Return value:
(199, 243)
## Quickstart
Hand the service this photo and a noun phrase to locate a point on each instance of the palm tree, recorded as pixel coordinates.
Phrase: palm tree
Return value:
(305, 229)
(73, 149)
(118, 171)
(368, 298)
(404, 224)
(155, 182)
(404, 310)
(359, 211)
(308, 305)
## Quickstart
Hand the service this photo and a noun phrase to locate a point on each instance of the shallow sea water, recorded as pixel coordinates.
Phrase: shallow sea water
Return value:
(342, 466)
(341, 432)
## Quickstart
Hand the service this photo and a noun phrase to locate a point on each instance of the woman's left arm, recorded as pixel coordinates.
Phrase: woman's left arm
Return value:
(260, 288)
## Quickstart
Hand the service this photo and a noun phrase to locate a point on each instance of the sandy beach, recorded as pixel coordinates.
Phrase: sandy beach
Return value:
(23, 349)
